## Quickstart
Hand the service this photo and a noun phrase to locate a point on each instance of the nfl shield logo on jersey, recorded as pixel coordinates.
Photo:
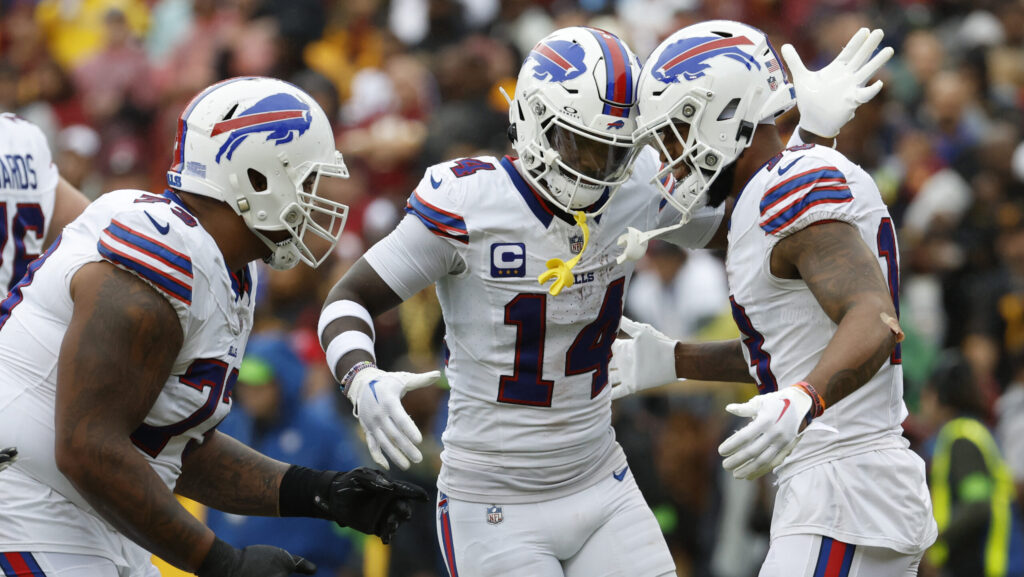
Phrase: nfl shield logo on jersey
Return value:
(494, 515)
(575, 243)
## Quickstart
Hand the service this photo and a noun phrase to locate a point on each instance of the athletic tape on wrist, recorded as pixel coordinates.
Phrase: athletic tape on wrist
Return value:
(343, 308)
(345, 343)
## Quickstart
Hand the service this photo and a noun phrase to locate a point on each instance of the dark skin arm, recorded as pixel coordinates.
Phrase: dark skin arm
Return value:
(713, 361)
(114, 361)
(362, 285)
(226, 475)
(69, 203)
(844, 276)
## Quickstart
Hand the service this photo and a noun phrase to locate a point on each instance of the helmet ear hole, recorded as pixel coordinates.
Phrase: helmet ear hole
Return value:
(258, 180)
(730, 110)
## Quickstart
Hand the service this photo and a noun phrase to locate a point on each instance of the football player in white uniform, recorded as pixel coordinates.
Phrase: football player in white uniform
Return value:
(532, 480)
(35, 202)
(120, 346)
(35, 205)
(813, 273)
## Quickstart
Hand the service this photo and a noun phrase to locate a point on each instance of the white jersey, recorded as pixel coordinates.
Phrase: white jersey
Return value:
(158, 240)
(28, 185)
(786, 331)
(530, 409)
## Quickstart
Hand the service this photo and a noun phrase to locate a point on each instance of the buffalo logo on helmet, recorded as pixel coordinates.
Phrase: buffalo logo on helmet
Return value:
(688, 57)
(557, 60)
(616, 125)
(282, 116)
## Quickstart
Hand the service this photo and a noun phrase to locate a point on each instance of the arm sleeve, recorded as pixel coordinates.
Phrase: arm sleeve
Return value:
(412, 258)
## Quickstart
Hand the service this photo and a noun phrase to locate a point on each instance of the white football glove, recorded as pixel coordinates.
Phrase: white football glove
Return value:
(768, 439)
(646, 360)
(828, 98)
(377, 398)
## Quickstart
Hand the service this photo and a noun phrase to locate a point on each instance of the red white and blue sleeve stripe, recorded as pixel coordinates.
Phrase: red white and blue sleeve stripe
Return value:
(160, 265)
(437, 220)
(20, 564)
(787, 201)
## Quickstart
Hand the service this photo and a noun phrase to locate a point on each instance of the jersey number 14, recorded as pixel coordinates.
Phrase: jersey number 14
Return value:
(590, 351)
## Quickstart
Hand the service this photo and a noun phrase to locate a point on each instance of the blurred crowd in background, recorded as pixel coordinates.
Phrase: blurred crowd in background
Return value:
(409, 83)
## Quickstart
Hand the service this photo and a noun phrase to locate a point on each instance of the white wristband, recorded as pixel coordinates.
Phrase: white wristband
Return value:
(345, 343)
(343, 308)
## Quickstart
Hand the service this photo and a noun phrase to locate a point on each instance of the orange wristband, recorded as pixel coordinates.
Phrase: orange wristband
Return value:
(817, 402)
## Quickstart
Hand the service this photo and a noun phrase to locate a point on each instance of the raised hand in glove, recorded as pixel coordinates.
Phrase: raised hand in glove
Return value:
(223, 560)
(377, 398)
(363, 498)
(828, 98)
(7, 457)
(646, 359)
(766, 441)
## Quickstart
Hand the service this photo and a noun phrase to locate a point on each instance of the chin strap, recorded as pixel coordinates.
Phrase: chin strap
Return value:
(562, 271)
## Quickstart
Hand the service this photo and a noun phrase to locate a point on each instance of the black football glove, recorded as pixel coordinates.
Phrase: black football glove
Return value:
(368, 501)
(223, 560)
(7, 457)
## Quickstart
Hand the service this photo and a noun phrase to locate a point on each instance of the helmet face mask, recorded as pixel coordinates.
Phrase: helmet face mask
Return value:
(314, 222)
(574, 116)
(702, 94)
(264, 147)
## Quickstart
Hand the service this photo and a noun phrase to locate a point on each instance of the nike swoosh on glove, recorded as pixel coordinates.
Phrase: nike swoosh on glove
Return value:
(376, 396)
(828, 98)
(646, 359)
(768, 439)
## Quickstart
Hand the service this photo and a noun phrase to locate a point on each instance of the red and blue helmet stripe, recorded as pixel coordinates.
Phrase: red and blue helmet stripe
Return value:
(620, 88)
(178, 157)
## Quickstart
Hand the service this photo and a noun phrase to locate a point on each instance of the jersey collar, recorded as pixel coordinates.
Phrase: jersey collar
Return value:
(540, 207)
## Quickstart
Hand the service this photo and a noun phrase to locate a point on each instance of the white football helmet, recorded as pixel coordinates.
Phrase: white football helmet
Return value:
(573, 117)
(704, 90)
(262, 146)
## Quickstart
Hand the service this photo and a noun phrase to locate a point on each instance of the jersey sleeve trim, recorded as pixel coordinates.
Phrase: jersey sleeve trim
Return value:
(164, 268)
(437, 220)
(788, 200)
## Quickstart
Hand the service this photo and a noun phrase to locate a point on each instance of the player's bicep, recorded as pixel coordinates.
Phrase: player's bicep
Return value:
(837, 266)
(116, 355)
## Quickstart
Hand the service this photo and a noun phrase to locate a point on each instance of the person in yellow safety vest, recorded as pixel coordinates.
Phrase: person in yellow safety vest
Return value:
(972, 489)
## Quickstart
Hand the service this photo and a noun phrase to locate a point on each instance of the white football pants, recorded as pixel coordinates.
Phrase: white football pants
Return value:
(818, 556)
(606, 530)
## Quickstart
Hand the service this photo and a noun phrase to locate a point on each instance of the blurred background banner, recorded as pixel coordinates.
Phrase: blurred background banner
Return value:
(409, 83)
